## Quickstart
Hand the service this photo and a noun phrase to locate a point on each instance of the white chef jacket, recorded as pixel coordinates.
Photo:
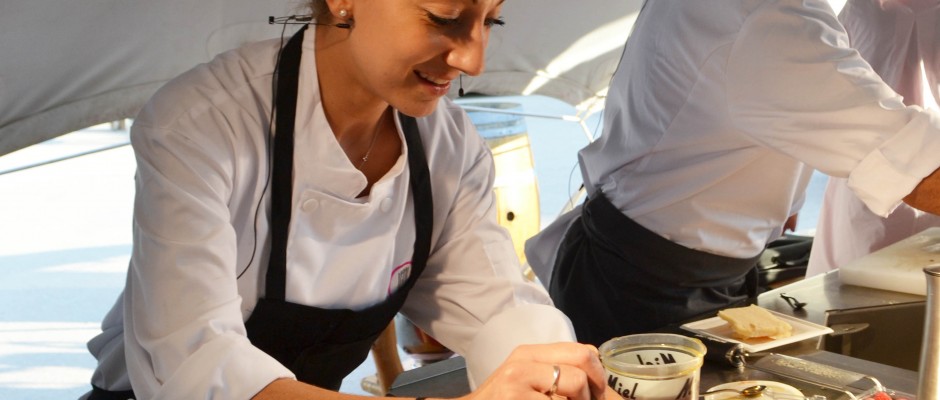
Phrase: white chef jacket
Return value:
(899, 40)
(720, 109)
(202, 164)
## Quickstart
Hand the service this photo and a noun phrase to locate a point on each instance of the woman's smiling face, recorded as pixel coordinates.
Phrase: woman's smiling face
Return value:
(407, 52)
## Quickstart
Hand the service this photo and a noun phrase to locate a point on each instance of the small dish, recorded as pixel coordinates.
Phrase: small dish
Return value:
(774, 391)
(721, 330)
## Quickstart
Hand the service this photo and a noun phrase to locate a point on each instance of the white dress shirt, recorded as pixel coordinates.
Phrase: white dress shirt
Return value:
(899, 40)
(720, 110)
(202, 164)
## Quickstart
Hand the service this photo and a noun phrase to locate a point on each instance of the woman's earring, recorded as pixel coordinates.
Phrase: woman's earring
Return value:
(348, 23)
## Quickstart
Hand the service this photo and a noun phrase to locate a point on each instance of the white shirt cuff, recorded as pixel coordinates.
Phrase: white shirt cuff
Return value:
(228, 367)
(879, 185)
(889, 173)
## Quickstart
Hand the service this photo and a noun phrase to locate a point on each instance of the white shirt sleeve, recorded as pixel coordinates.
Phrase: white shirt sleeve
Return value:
(184, 331)
(799, 88)
(472, 297)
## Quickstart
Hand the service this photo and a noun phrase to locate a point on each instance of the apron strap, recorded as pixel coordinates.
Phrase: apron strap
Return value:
(421, 191)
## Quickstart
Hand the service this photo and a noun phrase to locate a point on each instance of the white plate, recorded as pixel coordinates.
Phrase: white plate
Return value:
(720, 329)
(775, 391)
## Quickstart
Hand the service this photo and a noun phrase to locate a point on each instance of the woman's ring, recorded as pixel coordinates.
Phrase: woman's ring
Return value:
(556, 373)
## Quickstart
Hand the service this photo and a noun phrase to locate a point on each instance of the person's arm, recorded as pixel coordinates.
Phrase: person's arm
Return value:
(472, 296)
(184, 329)
(815, 99)
(529, 370)
(926, 195)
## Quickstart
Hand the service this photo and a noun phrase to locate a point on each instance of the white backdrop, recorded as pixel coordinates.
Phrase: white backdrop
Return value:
(66, 65)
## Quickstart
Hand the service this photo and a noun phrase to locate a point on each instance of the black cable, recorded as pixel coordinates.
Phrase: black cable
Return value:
(267, 138)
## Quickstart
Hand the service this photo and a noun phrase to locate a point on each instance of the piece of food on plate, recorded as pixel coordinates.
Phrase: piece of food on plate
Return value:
(754, 322)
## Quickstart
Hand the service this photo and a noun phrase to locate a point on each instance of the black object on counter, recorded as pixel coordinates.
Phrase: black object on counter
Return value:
(722, 352)
(717, 351)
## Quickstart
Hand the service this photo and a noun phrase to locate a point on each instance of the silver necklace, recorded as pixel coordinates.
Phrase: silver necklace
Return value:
(371, 145)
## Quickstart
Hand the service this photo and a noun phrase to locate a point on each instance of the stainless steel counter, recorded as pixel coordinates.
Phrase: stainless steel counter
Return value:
(824, 293)
(875, 325)
(876, 333)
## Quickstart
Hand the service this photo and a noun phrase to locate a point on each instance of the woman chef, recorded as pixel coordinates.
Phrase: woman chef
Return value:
(264, 266)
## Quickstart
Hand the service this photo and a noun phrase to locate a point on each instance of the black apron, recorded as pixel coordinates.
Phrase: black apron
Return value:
(613, 277)
(321, 346)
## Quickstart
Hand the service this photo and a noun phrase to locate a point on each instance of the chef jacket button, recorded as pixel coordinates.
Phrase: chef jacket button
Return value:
(386, 204)
(311, 205)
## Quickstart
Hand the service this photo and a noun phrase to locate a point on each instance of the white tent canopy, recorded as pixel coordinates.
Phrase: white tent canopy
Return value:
(67, 65)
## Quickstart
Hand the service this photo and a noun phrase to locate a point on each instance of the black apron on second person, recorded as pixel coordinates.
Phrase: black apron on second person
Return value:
(320, 346)
(613, 277)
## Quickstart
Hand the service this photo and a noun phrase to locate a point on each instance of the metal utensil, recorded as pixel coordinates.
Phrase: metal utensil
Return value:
(761, 392)
(749, 392)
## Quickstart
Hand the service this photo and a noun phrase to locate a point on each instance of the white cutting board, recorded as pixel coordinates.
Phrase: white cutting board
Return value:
(898, 267)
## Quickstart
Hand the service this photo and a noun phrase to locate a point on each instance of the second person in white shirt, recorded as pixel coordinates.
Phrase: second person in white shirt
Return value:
(715, 119)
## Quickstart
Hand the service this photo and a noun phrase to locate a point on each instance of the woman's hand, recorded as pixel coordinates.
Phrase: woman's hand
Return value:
(530, 373)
